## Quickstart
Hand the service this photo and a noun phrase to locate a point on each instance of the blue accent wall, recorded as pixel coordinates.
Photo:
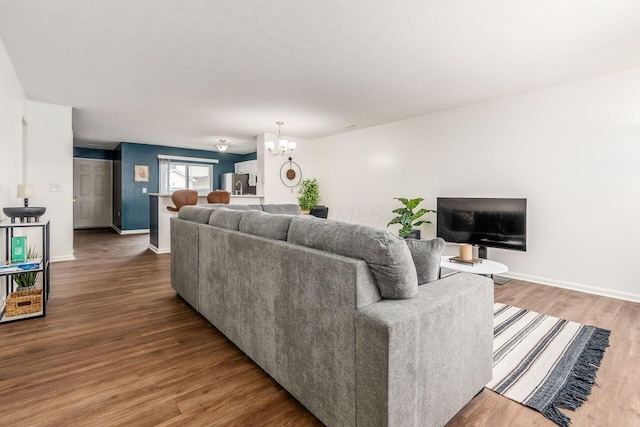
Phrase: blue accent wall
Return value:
(250, 156)
(92, 153)
(133, 203)
(117, 187)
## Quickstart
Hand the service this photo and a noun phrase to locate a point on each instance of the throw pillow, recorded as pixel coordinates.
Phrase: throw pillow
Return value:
(387, 255)
(426, 257)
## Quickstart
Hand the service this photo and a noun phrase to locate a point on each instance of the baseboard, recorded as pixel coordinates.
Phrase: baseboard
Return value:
(574, 286)
(60, 258)
(140, 231)
(156, 250)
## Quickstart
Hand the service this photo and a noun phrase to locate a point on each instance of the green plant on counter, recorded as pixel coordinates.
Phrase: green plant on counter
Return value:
(407, 218)
(308, 194)
(26, 280)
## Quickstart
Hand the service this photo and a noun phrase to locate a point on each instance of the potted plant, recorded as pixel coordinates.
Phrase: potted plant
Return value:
(27, 281)
(409, 219)
(308, 194)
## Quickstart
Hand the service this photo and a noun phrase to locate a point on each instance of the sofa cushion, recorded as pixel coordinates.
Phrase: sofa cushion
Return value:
(288, 209)
(226, 218)
(235, 207)
(426, 257)
(197, 214)
(387, 255)
(271, 226)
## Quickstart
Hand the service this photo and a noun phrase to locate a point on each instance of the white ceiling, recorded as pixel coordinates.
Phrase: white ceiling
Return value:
(189, 72)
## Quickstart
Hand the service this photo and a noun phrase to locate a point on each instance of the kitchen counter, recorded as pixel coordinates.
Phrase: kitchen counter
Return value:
(160, 217)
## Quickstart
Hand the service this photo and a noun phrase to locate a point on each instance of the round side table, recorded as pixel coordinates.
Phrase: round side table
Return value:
(485, 268)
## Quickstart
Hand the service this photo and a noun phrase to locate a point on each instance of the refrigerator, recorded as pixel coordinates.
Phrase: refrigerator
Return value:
(236, 183)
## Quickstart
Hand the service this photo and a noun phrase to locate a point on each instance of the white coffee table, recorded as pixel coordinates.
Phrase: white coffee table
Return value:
(485, 268)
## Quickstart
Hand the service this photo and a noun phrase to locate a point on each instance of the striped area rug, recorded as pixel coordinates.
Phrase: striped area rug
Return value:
(544, 362)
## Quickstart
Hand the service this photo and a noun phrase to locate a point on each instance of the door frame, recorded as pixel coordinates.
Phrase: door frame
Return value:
(110, 188)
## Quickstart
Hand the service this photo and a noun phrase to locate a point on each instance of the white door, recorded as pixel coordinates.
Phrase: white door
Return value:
(91, 193)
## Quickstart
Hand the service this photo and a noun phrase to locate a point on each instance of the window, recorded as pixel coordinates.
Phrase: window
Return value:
(184, 175)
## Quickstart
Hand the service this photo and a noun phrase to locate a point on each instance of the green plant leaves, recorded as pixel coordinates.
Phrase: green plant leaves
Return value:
(407, 218)
(24, 280)
(309, 194)
(395, 220)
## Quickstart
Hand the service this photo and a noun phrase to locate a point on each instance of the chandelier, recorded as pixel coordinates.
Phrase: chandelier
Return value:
(284, 146)
(222, 147)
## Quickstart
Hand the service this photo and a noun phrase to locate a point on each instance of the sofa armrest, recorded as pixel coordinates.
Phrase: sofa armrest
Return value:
(184, 259)
(420, 360)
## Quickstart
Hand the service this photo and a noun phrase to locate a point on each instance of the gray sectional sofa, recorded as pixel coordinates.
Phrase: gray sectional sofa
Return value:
(334, 313)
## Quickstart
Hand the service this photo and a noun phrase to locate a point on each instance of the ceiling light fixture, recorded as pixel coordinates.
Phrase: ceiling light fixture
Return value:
(222, 147)
(284, 146)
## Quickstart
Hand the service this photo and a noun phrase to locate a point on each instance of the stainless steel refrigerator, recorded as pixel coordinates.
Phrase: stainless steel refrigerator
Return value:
(236, 183)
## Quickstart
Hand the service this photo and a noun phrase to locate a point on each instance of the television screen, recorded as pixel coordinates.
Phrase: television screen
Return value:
(495, 223)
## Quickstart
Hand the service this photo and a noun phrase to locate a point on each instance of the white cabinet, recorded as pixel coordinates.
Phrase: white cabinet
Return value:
(250, 167)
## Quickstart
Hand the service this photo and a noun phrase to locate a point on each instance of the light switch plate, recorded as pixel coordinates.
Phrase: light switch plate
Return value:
(144, 190)
(54, 188)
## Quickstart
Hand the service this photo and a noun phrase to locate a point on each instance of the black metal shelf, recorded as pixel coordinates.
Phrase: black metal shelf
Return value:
(9, 229)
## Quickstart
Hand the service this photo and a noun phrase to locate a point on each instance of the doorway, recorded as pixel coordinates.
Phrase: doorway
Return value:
(91, 193)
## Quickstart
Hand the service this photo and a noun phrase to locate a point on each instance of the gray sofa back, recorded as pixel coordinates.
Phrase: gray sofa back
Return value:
(289, 209)
(311, 315)
(271, 298)
(387, 255)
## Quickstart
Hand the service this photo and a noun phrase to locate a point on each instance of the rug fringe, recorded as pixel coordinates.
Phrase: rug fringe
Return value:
(582, 378)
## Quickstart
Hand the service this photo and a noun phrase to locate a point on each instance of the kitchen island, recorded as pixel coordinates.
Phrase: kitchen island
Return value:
(160, 216)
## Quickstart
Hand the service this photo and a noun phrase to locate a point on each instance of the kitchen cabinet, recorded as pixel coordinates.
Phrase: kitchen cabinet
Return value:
(250, 167)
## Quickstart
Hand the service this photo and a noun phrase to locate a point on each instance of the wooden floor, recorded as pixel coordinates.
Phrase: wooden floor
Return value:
(119, 348)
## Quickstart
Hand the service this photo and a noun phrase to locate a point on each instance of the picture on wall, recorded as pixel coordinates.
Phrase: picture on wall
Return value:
(141, 173)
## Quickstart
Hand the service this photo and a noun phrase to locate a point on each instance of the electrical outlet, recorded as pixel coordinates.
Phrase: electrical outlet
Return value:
(144, 190)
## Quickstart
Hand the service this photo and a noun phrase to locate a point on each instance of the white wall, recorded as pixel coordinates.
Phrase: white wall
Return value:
(51, 162)
(270, 166)
(50, 155)
(572, 150)
(11, 104)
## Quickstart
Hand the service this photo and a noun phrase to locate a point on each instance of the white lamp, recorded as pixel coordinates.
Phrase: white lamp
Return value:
(284, 146)
(25, 191)
(222, 147)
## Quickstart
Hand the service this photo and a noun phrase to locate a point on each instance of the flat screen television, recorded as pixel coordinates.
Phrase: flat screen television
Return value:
(483, 222)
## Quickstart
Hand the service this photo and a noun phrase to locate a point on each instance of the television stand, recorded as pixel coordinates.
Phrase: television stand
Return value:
(482, 252)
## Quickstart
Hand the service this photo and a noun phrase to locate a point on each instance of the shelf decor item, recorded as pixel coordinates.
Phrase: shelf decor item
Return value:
(18, 253)
(408, 219)
(470, 261)
(26, 281)
(26, 213)
(466, 251)
(24, 302)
